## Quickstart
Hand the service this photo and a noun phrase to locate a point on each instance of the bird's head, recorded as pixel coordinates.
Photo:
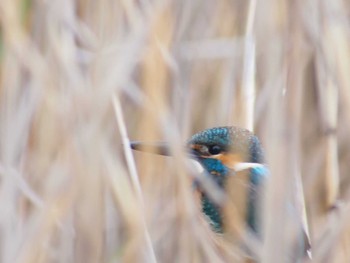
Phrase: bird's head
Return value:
(220, 149)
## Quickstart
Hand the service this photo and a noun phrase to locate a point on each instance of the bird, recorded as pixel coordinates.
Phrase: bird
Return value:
(219, 150)
(233, 158)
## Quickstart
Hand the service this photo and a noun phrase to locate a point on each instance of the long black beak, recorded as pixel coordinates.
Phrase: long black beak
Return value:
(160, 148)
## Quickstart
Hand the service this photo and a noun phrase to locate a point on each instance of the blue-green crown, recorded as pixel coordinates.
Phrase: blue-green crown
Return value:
(232, 139)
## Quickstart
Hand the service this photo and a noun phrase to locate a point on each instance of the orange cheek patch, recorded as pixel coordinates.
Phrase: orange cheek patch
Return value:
(228, 159)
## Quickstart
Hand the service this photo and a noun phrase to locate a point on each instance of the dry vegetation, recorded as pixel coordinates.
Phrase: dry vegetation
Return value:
(80, 77)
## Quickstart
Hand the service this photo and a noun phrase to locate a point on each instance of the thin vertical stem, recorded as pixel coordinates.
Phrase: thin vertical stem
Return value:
(133, 172)
(248, 85)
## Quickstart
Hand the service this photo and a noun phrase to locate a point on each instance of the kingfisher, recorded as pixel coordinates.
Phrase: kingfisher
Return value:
(220, 150)
(234, 160)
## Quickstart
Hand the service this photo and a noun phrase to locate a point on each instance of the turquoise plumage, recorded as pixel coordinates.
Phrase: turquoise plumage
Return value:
(211, 145)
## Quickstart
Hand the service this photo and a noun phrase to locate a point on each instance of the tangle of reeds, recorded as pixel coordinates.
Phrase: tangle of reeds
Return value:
(79, 79)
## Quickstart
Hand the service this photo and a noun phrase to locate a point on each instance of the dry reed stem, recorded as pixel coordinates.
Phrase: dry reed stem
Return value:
(133, 173)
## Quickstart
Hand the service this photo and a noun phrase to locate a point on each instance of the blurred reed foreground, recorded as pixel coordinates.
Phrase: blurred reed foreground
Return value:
(79, 77)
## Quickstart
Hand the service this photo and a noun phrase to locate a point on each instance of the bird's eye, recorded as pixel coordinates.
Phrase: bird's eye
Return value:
(215, 149)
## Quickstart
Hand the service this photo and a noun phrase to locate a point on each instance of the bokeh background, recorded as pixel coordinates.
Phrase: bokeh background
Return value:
(78, 78)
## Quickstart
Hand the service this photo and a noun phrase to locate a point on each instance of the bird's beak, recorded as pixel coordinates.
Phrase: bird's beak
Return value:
(160, 148)
(163, 148)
